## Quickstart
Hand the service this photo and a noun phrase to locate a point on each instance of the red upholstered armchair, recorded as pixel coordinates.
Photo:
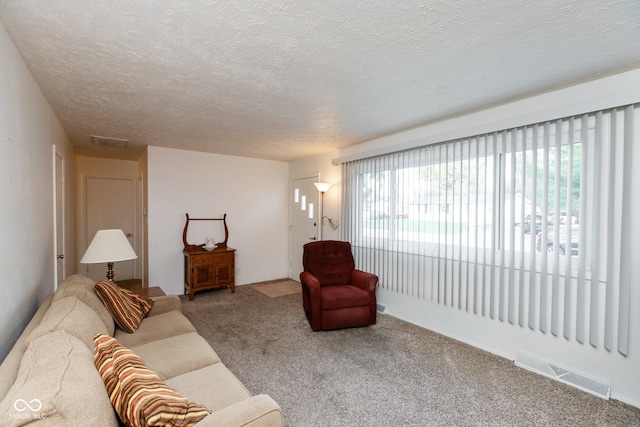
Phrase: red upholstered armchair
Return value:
(334, 294)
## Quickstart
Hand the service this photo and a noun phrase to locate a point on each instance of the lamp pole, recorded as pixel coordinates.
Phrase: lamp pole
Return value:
(322, 187)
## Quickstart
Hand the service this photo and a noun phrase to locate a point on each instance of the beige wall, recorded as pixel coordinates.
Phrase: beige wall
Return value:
(27, 248)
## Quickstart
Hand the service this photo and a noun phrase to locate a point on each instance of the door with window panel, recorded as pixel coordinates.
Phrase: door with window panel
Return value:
(304, 210)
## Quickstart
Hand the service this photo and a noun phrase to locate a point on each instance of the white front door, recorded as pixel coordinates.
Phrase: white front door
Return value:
(110, 203)
(305, 209)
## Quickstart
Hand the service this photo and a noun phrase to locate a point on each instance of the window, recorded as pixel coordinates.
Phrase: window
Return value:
(493, 192)
(509, 224)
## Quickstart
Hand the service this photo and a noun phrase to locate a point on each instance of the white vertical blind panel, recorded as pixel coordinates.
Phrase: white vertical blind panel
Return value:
(533, 196)
(544, 277)
(585, 218)
(609, 295)
(568, 300)
(555, 284)
(595, 150)
(625, 246)
(510, 224)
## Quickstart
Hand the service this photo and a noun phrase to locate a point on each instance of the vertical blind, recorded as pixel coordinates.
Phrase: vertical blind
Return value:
(522, 225)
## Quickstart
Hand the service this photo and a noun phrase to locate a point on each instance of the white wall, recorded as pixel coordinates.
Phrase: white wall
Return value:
(502, 338)
(253, 193)
(27, 254)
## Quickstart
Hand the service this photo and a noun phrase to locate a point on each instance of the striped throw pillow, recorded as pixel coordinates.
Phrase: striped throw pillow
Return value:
(126, 308)
(137, 394)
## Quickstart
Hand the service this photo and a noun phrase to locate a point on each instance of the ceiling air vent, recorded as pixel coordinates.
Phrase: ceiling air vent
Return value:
(109, 142)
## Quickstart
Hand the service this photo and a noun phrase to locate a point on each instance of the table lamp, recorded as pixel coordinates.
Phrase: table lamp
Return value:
(109, 246)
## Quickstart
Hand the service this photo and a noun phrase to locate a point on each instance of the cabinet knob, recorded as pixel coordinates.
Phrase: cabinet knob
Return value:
(60, 256)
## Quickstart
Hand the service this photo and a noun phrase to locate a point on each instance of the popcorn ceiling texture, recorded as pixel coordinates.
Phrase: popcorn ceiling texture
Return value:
(282, 80)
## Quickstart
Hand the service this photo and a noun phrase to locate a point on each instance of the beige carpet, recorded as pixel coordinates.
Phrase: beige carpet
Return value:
(392, 374)
(278, 288)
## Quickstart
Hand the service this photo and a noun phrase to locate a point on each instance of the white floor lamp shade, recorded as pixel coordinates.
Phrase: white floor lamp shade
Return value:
(108, 246)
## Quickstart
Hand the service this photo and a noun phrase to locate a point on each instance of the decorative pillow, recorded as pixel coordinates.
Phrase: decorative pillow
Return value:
(139, 397)
(126, 308)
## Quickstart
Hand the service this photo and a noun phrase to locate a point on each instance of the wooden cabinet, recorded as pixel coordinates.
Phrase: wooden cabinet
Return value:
(208, 270)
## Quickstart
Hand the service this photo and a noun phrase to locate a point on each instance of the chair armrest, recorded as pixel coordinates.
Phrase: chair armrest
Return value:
(364, 280)
(257, 411)
(164, 304)
(310, 281)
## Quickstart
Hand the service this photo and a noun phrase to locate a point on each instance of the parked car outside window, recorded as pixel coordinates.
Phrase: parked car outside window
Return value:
(526, 225)
(562, 241)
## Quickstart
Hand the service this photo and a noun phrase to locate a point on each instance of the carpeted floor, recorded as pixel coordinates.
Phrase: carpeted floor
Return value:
(389, 374)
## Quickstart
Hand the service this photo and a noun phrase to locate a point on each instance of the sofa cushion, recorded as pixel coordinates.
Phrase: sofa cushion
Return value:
(137, 394)
(81, 287)
(72, 315)
(214, 386)
(57, 384)
(194, 351)
(156, 328)
(127, 308)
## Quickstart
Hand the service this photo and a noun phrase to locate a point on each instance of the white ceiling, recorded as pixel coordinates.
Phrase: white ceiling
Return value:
(286, 79)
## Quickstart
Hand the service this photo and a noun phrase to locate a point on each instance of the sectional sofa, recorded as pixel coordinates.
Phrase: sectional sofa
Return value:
(50, 375)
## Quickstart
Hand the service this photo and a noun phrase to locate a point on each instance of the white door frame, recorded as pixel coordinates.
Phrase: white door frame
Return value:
(83, 236)
(59, 244)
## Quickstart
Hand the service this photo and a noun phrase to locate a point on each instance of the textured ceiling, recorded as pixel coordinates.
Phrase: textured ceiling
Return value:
(282, 80)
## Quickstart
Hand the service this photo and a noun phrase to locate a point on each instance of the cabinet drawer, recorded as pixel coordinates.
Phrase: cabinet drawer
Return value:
(202, 259)
(212, 258)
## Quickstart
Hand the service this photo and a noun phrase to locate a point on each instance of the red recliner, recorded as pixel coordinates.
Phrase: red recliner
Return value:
(334, 294)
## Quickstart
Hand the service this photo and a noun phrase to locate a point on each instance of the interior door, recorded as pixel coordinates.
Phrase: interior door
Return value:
(60, 266)
(110, 203)
(304, 207)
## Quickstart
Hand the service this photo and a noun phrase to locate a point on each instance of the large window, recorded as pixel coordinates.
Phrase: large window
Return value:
(514, 190)
(510, 224)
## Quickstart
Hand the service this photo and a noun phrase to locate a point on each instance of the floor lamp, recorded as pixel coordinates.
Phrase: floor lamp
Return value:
(322, 187)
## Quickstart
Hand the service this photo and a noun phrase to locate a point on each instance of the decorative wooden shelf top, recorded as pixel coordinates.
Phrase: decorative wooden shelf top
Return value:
(219, 246)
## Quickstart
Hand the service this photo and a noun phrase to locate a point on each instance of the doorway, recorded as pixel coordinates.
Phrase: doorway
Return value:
(110, 202)
(59, 197)
(304, 214)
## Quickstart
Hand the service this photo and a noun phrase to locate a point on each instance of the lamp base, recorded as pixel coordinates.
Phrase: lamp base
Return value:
(110, 273)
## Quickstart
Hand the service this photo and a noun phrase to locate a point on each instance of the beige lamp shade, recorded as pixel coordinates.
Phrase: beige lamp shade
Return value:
(108, 246)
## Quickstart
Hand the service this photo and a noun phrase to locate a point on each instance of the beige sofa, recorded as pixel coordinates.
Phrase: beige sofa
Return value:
(49, 376)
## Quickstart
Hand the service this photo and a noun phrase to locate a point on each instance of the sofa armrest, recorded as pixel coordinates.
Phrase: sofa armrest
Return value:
(164, 304)
(11, 362)
(257, 411)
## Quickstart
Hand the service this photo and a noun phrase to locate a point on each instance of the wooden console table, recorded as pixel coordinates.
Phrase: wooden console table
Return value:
(208, 269)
